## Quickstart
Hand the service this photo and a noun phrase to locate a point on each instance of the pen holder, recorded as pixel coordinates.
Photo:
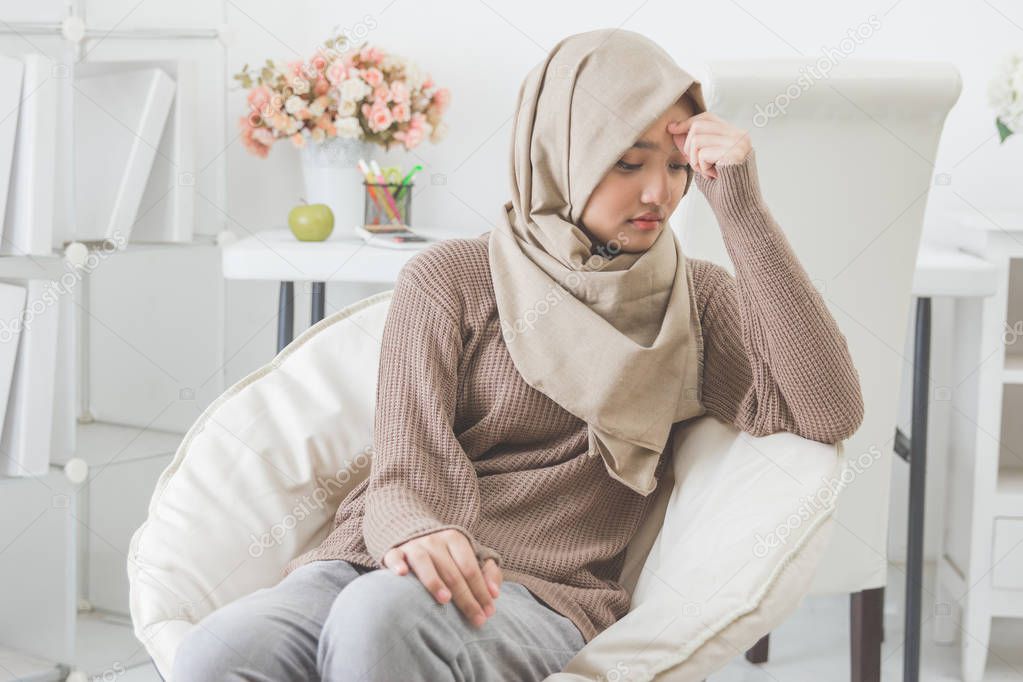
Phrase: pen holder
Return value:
(387, 203)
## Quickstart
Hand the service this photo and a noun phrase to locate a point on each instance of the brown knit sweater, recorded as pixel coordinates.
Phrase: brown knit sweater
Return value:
(461, 441)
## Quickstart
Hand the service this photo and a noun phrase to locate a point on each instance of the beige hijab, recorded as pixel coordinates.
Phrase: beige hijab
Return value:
(609, 336)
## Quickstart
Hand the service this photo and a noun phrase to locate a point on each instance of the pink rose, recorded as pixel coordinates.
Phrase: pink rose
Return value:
(380, 118)
(280, 121)
(263, 136)
(248, 140)
(298, 140)
(399, 91)
(442, 99)
(411, 137)
(321, 87)
(382, 93)
(318, 62)
(336, 72)
(373, 76)
(325, 124)
(400, 112)
(259, 97)
(371, 55)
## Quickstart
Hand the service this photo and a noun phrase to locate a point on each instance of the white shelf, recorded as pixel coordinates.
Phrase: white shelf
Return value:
(32, 267)
(70, 538)
(103, 443)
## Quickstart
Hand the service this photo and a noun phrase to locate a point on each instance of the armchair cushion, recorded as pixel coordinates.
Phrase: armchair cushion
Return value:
(745, 521)
(258, 478)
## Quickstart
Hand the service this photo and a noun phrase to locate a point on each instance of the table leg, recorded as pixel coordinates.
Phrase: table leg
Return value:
(285, 315)
(917, 490)
(319, 301)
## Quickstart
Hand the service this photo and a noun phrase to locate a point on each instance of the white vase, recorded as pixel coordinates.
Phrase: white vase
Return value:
(331, 175)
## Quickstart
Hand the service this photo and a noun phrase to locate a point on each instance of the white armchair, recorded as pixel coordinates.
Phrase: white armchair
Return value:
(728, 553)
(845, 165)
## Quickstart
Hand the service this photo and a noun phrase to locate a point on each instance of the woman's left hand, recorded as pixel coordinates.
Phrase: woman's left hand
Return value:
(706, 140)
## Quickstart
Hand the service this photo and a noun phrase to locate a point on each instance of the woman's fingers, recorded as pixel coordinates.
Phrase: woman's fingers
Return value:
(445, 562)
(707, 141)
(394, 559)
(704, 154)
(492, 573)
(465, 559)
(422, 564)
(464, 597)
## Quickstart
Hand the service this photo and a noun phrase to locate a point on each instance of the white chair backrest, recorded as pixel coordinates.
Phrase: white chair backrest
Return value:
(845, 165)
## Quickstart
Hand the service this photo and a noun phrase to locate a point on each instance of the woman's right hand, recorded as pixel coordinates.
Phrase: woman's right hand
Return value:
(446, 564)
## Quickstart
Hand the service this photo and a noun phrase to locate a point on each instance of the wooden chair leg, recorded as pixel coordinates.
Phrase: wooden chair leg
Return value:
(866, 619)
(758, 652)
(882, 613)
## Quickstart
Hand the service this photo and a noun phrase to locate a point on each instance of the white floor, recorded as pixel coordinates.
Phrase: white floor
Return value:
(813, 645)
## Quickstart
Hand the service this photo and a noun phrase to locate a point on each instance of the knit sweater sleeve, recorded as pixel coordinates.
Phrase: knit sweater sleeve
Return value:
(774, 357)
(420, 481)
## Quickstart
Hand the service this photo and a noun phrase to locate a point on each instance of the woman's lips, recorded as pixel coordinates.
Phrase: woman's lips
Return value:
(645, 224)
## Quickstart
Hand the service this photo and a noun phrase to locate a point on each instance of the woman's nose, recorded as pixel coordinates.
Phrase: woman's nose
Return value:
(656, 190)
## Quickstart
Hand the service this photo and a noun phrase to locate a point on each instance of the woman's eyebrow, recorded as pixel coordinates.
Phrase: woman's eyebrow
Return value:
(647, 144)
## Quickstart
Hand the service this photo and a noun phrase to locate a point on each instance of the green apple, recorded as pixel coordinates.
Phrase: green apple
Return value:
(311, 222)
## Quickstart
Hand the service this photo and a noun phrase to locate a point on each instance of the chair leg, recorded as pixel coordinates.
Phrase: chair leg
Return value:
(882, 626)
(758, 652)
(866, 620)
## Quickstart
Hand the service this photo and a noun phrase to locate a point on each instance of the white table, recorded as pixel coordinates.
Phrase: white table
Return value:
(276, 255)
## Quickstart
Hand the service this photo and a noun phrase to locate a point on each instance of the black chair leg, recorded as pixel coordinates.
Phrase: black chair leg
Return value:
(866, 619)
(758, 652)
(285, 315)
(881, 622)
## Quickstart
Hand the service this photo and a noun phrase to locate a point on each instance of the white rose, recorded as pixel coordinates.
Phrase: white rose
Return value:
(392, 61)
(346, 108)
(354, 89)
(348, 126)
(999, 94)
(294, 104)
(414, 77)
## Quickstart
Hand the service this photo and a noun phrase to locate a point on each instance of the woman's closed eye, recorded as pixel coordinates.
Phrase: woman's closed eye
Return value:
(636, 166)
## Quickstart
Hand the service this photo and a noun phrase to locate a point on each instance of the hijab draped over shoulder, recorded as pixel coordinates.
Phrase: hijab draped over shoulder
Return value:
(610, 337)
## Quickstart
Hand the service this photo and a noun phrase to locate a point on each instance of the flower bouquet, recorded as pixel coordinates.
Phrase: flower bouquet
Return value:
(332, 107)
(1005, 95)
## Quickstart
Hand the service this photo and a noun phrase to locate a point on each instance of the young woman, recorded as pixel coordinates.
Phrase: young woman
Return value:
(529, 379)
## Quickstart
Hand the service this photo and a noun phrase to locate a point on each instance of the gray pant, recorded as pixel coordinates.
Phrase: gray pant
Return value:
(330, 620)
